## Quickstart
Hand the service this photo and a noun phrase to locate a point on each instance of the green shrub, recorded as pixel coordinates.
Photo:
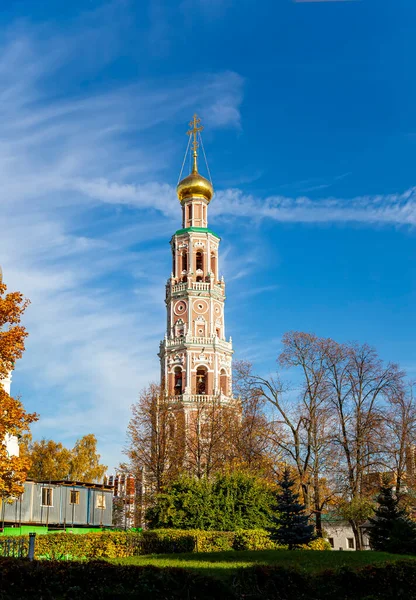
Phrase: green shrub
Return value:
(317, 544)
(374, 582)
(188, 540)
(213, 541)
(96, 580)
(227, 503)
(108, 544)
(120, 544)
(277, 583)
(99, 580)
(167, 541)
(253, 539)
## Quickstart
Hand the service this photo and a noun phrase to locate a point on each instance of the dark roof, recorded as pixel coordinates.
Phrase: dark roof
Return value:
(333, 518)
(67, 483)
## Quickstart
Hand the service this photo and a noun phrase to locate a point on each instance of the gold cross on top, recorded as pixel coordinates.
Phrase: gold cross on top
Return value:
(196, 128)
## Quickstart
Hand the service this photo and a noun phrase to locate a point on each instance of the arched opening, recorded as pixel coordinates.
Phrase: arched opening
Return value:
(214, 264)
(179, 328)
(173, 264)
(223, 382)
(201, 381)
(190, 213)
(177, 389)
(199, 261)
(184, 261)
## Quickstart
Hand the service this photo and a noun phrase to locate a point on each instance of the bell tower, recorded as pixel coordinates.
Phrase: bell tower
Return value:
(195, 355)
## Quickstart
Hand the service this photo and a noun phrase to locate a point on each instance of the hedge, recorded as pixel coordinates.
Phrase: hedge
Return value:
(374, 582)
(97, 580)
(58, 580)
(119, 544)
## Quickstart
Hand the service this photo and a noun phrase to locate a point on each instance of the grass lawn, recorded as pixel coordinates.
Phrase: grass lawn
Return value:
(223, 564)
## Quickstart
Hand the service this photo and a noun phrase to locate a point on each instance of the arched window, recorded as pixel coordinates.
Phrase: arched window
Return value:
(201, 381)
(190, 212)
(199, 261)
(177, 381)
(223, 382)
(214, 264)
(173, 264)
(184, 261)
(179, 328)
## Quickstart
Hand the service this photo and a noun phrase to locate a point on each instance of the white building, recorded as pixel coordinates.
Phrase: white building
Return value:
(340, 535)
(10, 441)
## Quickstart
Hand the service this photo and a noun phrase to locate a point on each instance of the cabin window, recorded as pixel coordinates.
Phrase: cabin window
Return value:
(350, 543)
(199, 261)
(74, 497)
(100, 501)
(47, 496)
(331, 542)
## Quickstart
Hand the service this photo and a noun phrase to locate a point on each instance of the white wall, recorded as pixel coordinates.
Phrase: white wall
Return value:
(11, 441)
(341, 535)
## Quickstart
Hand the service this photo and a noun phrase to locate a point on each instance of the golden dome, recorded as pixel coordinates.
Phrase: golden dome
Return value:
(195, 185)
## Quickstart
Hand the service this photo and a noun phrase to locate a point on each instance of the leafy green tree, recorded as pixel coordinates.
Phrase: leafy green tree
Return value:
(356, 511)
(290, 523)
(52, 461)
(226, 503)
(85, 461)
(390, 530)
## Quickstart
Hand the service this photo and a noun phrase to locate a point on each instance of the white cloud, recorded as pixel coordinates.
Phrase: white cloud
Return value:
(393, 209)
(70, 169)
(81, 178)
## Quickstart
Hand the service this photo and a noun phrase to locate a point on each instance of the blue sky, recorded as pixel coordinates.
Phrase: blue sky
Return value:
(310, 131)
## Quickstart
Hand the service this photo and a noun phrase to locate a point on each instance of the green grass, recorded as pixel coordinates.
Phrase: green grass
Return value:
(223, 564)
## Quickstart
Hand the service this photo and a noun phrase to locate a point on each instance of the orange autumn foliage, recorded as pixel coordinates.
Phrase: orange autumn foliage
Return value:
(14, 420)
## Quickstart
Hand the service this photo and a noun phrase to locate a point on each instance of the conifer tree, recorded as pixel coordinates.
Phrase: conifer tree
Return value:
(390, 527)
(291, 523)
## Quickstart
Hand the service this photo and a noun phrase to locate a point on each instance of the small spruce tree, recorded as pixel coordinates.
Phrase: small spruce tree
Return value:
(390, 528)
(291, 524)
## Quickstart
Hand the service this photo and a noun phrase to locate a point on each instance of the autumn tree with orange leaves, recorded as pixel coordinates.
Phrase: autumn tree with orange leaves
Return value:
(14, 420)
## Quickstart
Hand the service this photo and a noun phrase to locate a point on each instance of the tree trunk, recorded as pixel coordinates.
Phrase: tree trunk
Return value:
(318, 523)
(357, 535)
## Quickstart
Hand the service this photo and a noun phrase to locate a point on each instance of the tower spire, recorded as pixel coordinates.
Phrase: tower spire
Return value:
(195, 129)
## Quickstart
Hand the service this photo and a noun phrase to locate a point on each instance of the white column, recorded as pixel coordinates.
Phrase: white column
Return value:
(188, 372)
(190, 255)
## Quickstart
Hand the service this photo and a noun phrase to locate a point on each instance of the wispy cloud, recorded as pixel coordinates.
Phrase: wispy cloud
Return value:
(71, 168)
(391, 209)
(86, 214)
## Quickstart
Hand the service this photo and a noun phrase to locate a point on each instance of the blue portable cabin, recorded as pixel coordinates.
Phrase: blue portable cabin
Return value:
(60, 504)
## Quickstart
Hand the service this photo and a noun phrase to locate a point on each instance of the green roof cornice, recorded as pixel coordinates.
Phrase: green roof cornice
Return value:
(197, 230)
